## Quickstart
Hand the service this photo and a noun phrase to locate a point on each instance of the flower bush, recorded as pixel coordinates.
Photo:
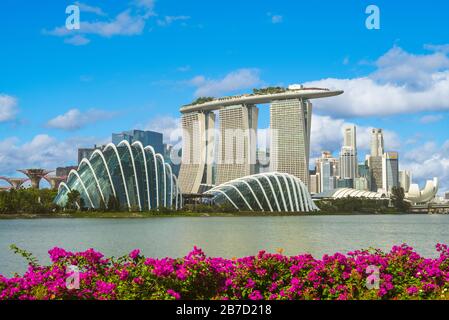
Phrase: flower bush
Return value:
(403, 274)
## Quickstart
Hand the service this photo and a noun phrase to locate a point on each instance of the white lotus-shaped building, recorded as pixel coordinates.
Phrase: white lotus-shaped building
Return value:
(135, 175)
(416, 196)
(272, 191)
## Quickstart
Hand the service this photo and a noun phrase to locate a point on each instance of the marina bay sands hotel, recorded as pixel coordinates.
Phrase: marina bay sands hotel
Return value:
(236, 135)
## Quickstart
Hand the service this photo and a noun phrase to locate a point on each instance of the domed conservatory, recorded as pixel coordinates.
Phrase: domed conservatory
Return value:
(272, 191)
(136, 176)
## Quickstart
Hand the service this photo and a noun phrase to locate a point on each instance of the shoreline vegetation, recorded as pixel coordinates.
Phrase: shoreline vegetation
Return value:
(180, 214)
(367, 274)
(32, 204)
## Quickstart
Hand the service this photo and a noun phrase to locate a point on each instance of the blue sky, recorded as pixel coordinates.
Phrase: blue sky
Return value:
(134, 63)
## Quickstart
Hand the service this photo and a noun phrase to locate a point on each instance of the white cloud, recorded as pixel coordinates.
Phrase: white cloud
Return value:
(147, 6)
(276, 19)
(236, 80)
(402, 83)
(124, 24)
(428, 161)
(327, 135)
(412, 71)
(87, 8)
(78, 40)
(431, 118)
(168, 20)
(75, 119)
(43, 151)
(8, 107)
(169, 126)
(438, 48)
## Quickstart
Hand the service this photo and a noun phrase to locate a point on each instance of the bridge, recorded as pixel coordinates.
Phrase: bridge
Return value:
(430, 208)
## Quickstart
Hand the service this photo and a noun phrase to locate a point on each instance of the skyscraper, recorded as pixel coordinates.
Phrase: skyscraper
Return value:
(375, 168)
(348, 163)
(349, 137)
(405, 180)
(390, 171)
(375, 159)
(290, 122)
(197, 150)
(290, 119)
(237, 143)
(147, 138)
(348, 154)
(327, 174)
(377, 143)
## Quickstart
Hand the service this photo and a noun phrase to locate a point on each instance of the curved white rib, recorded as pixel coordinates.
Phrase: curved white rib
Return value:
(87, 162)
(159, 156)
(223, 193)
(140, 145)
(289, 193)
(176, 189)
(63, 184)
(82, 184)
(171, 184)
(254, 195)
(301, 199)
(107, 168)
(295, 193)
(111, 145)
(155, 173)
(263, 191)
(241, 195)
(126, 143)
(306, 202)
(273, 193)
(281, 191)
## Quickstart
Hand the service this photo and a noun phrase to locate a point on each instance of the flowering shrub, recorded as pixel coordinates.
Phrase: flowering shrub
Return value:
(403, 274)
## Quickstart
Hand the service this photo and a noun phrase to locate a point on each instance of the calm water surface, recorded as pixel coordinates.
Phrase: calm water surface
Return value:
(220, 236)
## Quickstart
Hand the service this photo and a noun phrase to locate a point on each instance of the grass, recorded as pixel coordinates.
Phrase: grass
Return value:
(155, 214)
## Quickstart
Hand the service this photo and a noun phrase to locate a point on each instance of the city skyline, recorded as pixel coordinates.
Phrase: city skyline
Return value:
(81, 104)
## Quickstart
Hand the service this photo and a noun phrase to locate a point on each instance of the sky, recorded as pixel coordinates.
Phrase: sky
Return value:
(132, 64)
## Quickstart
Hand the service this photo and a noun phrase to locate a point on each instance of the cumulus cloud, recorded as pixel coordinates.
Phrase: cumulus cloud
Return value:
(75, 119)
(437, 47)
(8, 107)
(129, 22)
(169, 126)
(43, 151)
(327, 135)
(402, 83)
(240, 79)
(427, 161)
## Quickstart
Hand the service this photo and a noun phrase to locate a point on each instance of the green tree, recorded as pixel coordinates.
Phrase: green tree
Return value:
(74, 200)
(113, 203)
(398, 199)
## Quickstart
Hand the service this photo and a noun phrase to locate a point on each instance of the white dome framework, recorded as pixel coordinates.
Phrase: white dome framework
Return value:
(271, 191)
(135, 175)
